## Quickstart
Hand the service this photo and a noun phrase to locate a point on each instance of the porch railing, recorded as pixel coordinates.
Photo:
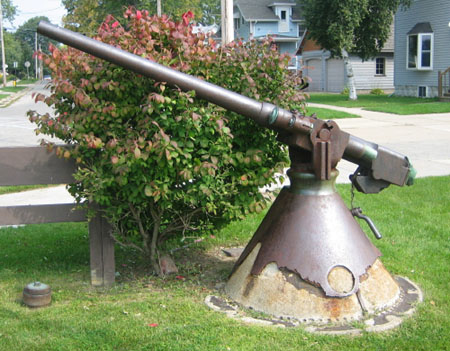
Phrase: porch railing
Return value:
(444, 85)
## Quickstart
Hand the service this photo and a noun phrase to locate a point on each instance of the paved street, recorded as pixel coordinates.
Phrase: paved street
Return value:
(425, 139)
(15, 128)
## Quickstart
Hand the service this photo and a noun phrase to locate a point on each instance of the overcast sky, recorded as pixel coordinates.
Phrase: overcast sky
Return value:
(27, 9)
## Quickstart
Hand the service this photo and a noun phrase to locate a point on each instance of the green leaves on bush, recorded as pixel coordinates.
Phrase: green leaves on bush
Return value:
(158, 160)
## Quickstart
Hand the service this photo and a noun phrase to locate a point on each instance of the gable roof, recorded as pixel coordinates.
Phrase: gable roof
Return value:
(261, 10)
(423, 27)
(387, 48)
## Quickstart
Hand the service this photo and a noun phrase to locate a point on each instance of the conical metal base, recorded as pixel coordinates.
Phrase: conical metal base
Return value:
(309, 259)
(284, 294)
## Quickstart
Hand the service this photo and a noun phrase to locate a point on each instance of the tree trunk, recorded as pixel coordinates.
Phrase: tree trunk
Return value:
(154, 259)
(351, 78)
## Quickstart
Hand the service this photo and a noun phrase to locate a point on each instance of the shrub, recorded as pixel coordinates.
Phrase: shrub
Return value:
(159, 161)
(345, 91)
(377, 91)
(11, 77)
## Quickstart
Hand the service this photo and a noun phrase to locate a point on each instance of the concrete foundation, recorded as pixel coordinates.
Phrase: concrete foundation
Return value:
(284, 294)
(413, 90)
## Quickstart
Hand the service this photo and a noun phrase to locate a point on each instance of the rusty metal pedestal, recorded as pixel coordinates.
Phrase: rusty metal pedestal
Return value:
(309, 260)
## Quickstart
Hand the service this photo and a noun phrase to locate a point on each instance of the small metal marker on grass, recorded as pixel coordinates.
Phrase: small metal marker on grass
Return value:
(37, 294)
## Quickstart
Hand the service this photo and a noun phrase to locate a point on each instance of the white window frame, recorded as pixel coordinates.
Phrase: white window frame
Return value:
(237, 23)
(426, 91)
(419, 65)
(301, 25)
(383, 66)
(283, 25)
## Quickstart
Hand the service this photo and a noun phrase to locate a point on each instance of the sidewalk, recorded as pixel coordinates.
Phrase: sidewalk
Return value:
(425, 139)
(12, 97)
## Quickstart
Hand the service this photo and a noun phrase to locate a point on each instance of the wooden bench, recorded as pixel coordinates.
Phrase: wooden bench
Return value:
(35, 165)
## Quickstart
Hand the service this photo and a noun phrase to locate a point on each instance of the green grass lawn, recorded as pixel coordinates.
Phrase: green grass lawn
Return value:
(27, 81)
(16, 189)
(15, 89)
(145, 313)
(2, 96)
(384, 103)
(326, 114)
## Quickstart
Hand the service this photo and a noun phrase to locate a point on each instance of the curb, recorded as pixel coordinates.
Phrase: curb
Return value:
(11, 98)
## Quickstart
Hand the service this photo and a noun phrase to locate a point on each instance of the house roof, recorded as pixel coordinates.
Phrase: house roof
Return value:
(260, 10)
(387, 48)
(423, 27)
(389, 44)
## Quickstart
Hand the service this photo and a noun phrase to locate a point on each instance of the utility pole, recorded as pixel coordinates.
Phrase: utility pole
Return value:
(158, 8)
(3, 45)
(41, 65)
(35, 57)
(227, 21)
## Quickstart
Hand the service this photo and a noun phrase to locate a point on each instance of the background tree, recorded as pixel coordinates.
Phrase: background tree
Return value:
(13, 53)
(350, 26)
(25, 34)
(86, 16)
(9, 10)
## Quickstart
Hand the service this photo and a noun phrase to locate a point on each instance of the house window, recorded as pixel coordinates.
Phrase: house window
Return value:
(422, 92)
(301, 30)
(283, 25)
(420, 47)
(380, 66)
(237, 23)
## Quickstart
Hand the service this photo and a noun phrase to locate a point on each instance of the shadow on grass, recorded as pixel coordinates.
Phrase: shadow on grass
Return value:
(49, 248)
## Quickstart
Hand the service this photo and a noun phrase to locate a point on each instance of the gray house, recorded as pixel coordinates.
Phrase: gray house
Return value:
(281, 20)
(422, 48)
(328, 73)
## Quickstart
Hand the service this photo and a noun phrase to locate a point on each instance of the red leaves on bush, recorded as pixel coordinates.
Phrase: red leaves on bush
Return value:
(177, 159)
(156, 97)
(186, 17)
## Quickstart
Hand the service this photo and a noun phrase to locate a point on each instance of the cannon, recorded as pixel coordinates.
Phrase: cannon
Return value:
(308, 233)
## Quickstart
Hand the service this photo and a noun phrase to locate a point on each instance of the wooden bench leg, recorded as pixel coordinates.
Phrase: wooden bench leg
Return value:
(101, 252)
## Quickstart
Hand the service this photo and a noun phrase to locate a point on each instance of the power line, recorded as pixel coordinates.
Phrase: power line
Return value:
(38, 12)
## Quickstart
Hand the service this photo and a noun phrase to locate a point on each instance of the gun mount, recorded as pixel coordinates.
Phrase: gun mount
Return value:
(308, 231)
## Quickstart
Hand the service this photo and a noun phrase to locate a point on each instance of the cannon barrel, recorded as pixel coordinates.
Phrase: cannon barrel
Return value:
(357, 150)
(260, 112)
